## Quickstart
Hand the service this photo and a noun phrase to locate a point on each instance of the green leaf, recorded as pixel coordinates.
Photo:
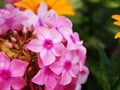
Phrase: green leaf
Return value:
(99, 74)
(104, 61)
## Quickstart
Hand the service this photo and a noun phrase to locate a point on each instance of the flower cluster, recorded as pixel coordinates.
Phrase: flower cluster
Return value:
(42, 48)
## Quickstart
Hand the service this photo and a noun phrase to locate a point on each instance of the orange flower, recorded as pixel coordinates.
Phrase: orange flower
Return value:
(62, 7)
(117, 17)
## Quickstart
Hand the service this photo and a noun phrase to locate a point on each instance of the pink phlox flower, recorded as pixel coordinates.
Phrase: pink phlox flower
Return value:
(72, 39)
(30, 21)
(10, 20)
(66, 67)
(81, 52)
(83, 74)
(51, 19)
(48, 44)
(45, 77)
(11, 73)
(43, 13)
(57, 22)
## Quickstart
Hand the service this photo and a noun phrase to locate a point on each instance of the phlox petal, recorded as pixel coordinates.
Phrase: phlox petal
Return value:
(17, 83)
(39, 78)
(4, 85)
(64, 22)
(82, 53)
(83, 75)
(57, 67)
(50, 82)
(4, 61)
(43, 33)
(42, 10)
(55, 35)
(47, 58)
(66, 78)
(18, 68)
(58, 49)
(74, 70)
(34, 45)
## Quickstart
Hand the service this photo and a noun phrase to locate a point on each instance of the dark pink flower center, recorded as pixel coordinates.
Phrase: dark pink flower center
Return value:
(5, 75)
(67, 65)
(48, 44)
(72, 38)
(48, 71)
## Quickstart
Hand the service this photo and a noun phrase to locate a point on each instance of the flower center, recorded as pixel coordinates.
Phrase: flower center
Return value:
(48, 71)
(48, 44)
(5, 75)
(67, 65)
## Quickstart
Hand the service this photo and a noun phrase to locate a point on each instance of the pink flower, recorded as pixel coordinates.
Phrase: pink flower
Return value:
(11, 73)
(57, 22)
(66, 66)
(48, 45)
(83, 74)
(10, 19)
(72, 38)
(45, 77)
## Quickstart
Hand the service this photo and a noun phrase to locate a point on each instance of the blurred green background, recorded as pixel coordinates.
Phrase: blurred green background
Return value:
(95, 26)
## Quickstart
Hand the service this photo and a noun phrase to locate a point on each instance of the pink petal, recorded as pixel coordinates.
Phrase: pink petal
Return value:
(74, 70)
(35, 45)
(56, 36)
(18, 68)
(17, 83)
(64, 22)
(56, 67)
(4, 61)
(42, 10)
(39, 78)
(47, 58)
(83, 75)
(50, 82)
(58, 49)
(82, 53)
(75, 59)
(43, 33)
(4, 85)
(68, 56)
(66, 78)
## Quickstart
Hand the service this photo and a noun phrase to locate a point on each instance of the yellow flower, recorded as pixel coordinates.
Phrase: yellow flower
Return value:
(117, 35)
(116, 17)
(62, 7)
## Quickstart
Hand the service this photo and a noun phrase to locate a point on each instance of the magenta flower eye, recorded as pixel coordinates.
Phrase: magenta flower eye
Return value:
(67, 65)
(5, 75)
(48, 44)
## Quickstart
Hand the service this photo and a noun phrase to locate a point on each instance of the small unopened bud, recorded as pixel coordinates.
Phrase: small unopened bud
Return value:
(25, 30)
(13, 39)
(9, 45)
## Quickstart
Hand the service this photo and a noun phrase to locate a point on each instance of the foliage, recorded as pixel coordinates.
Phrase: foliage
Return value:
(94, 24)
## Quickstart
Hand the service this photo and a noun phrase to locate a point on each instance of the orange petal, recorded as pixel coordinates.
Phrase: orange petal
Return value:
(117, 23)
(117, 17)
(117, 35)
